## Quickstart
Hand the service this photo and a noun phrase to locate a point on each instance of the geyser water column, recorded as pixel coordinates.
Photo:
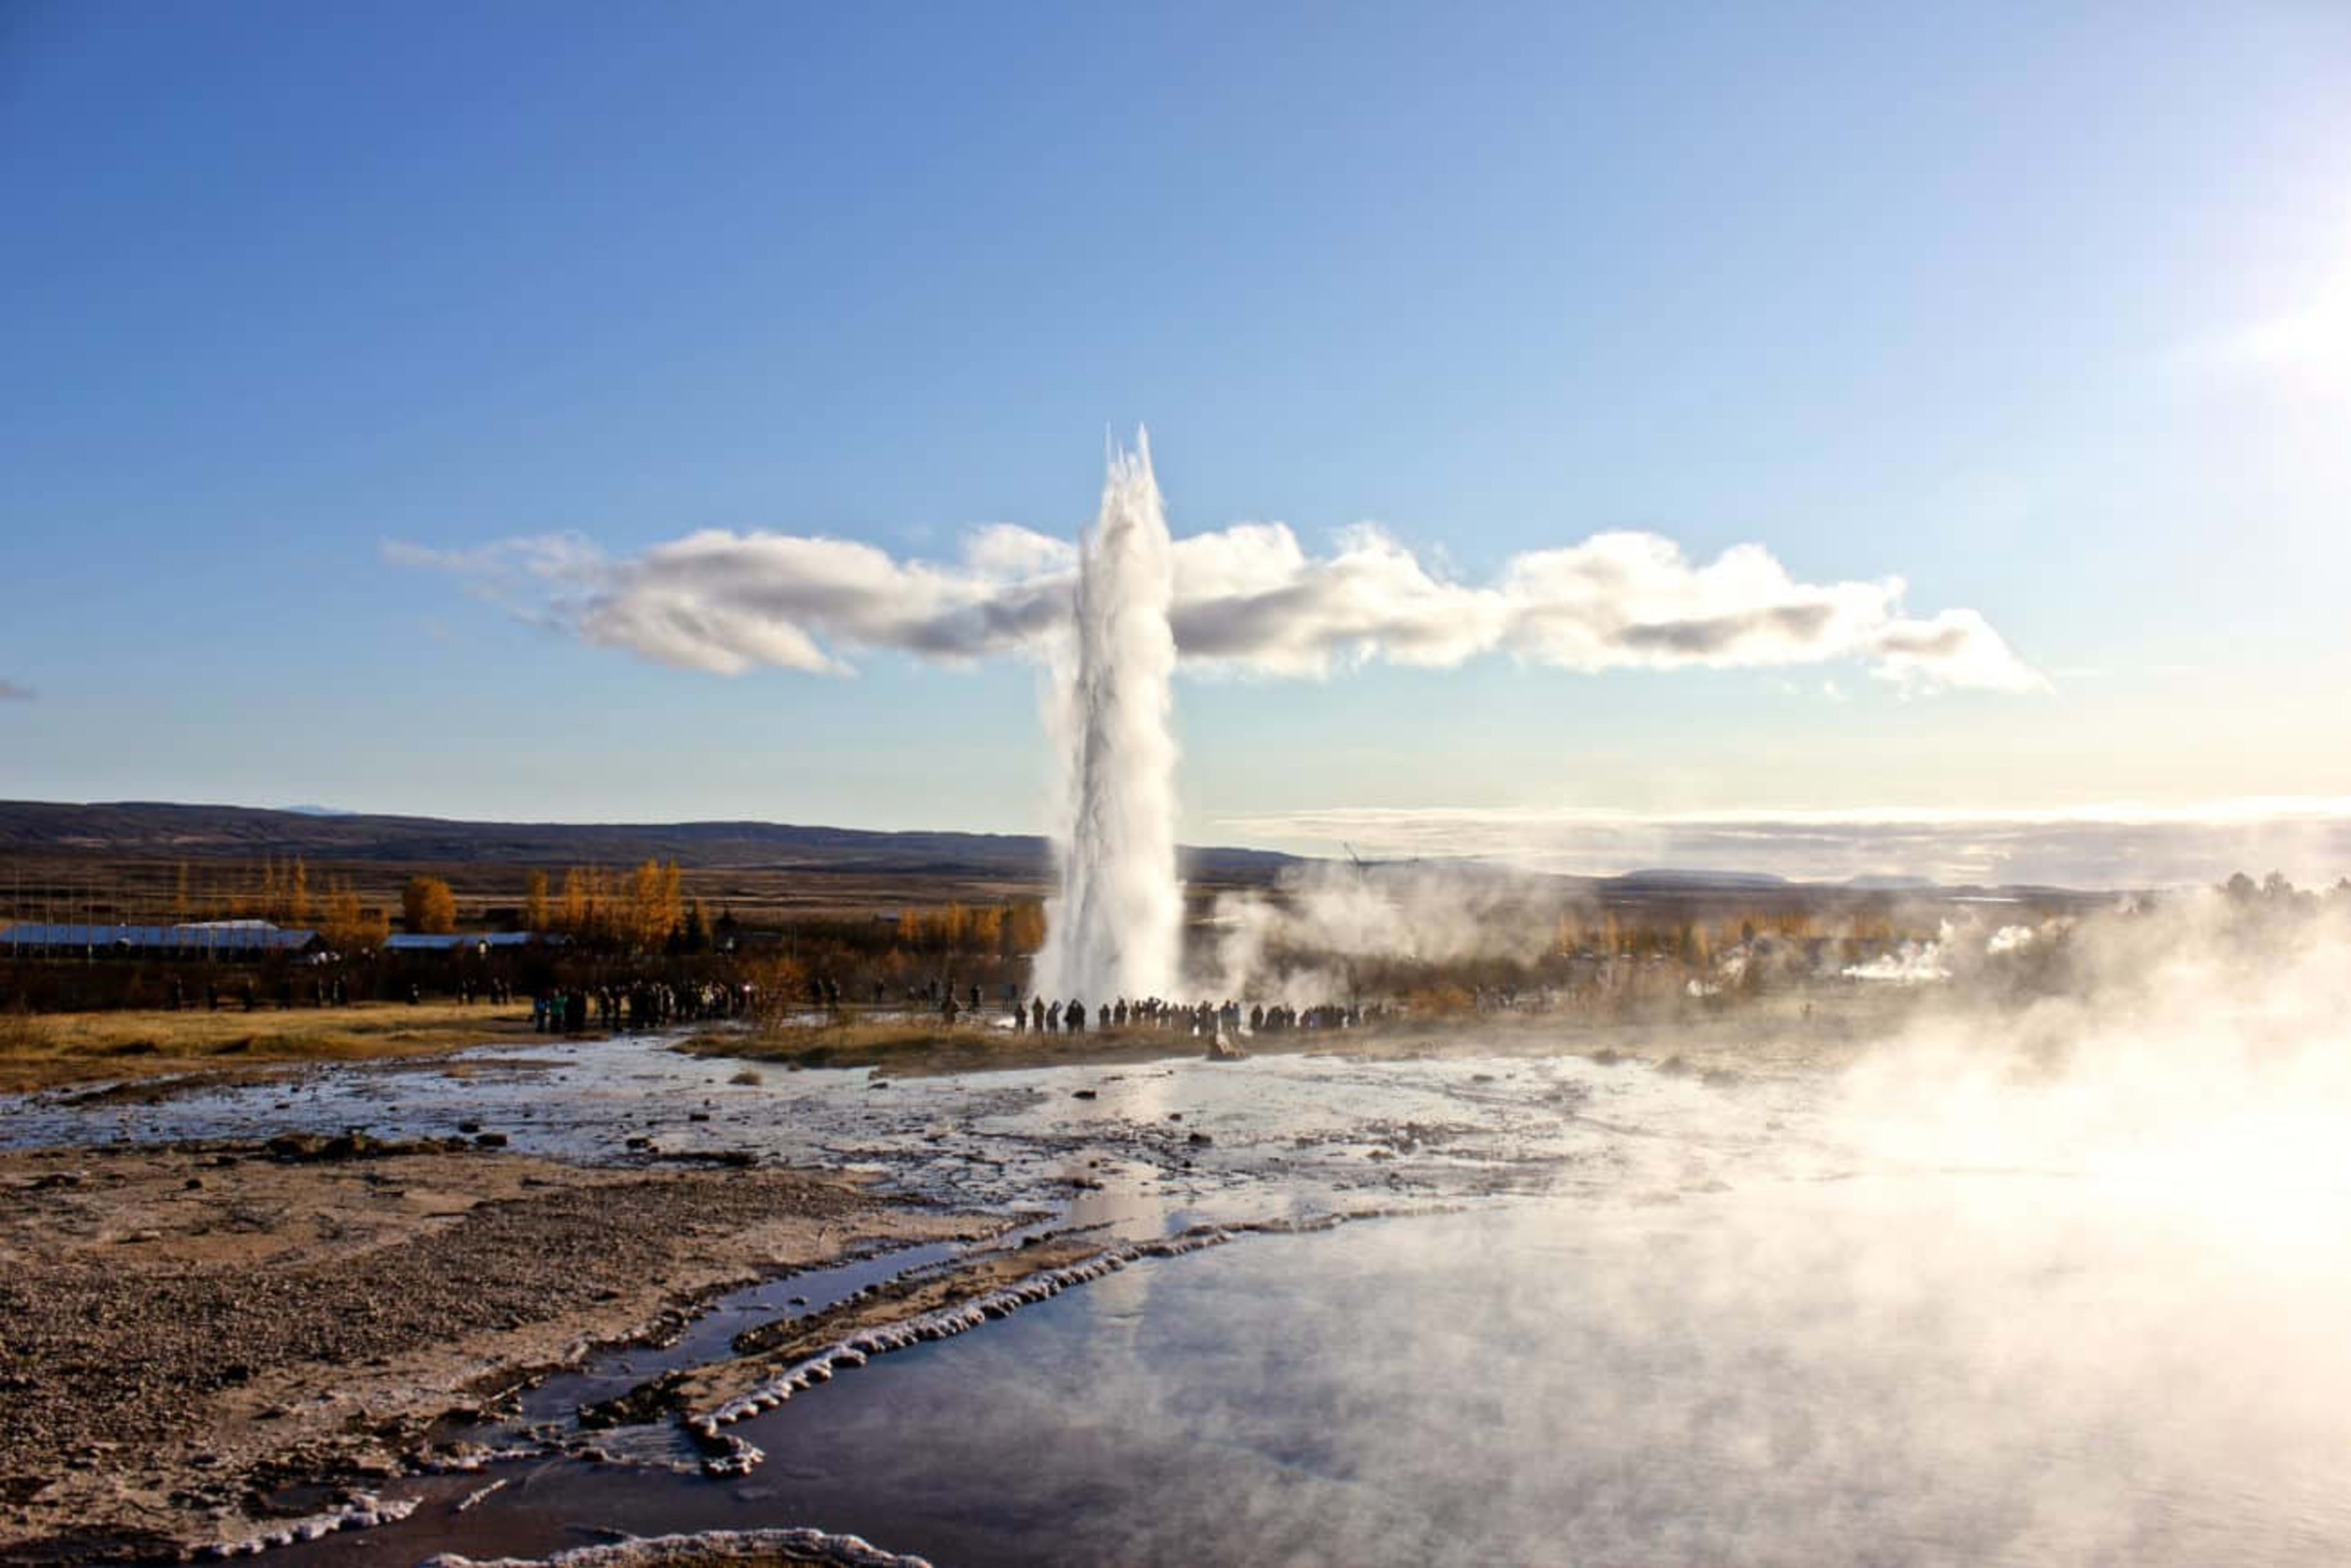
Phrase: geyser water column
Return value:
(1116, 929)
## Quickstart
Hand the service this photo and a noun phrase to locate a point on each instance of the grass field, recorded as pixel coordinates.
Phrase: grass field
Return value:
(40, 1050)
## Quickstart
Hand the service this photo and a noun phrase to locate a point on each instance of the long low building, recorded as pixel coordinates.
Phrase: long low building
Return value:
(458, 941)
(201, 939)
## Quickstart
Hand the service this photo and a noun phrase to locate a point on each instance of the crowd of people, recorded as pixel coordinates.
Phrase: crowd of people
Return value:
(646, 1004)
(1204, 1018)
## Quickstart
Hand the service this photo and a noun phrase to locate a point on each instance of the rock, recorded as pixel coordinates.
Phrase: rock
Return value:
(490, 1140)
(1199, 1138)
(1084, 1094)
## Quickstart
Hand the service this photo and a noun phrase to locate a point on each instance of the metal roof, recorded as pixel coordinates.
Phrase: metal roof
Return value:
(239, 938)
(425, 942)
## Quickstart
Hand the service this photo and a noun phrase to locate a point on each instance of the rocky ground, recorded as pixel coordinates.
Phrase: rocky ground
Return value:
(195, 1340)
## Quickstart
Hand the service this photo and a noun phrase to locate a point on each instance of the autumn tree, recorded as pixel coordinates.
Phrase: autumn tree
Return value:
(297, 892)
(534, 902)
(346, 925)
(653, 908)
(1024, 929)
(589, 907)
(427, 905)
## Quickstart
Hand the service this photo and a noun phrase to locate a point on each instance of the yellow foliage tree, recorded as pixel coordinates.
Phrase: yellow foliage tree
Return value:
(346, 925)
(427, 905)
(656, 904)
(534, 902)
(1024, 929)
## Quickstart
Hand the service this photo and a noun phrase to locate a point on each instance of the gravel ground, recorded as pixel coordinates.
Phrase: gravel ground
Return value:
(186, 1332)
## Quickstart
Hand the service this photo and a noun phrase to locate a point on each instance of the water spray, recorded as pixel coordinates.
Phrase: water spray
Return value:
(1116, 929)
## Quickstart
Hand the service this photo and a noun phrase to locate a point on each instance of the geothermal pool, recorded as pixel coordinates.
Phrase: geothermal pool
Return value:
(1608, 1315)
(1718, 1382)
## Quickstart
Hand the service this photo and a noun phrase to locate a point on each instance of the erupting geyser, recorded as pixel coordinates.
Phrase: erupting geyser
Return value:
(1116, 929)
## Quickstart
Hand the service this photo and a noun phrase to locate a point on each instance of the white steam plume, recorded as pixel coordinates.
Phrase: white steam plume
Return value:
(1116, 929)
(1247, 598)
(1303, 944)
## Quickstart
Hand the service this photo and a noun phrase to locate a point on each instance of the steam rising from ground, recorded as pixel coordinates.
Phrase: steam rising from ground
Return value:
(1247, 598)
(2056, 1275)
(1115, 931)
(1305, 944)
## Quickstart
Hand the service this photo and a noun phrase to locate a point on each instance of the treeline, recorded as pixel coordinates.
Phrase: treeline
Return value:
(2274, 893)
(265, 889)
(281, 891)
(1698, 940)
(644, 908)
(1007, 930)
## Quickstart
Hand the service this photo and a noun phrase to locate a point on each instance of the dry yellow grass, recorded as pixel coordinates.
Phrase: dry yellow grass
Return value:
(37, 1051)
(922, 1047)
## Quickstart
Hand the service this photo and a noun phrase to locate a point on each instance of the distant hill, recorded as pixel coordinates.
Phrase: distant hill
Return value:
(158, 829)
(1664, 879)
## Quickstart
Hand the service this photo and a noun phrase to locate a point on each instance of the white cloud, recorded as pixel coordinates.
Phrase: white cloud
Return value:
(1249, 598)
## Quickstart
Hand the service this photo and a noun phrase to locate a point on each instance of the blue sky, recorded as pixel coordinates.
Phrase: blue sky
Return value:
(2047, 310)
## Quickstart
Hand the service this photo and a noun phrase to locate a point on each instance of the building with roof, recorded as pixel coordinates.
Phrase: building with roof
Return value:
(463, 941)
(225, 939)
